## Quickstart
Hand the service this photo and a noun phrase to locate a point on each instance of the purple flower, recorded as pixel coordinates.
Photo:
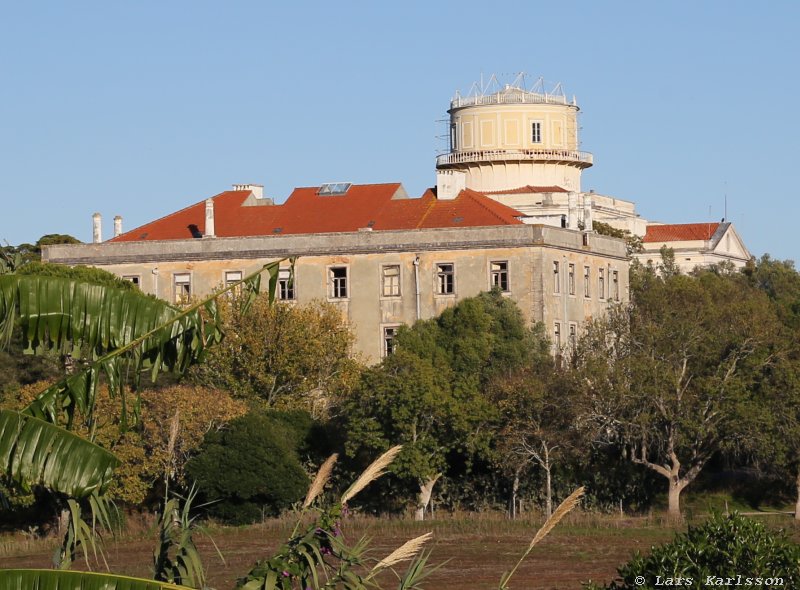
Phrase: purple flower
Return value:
(285, 574)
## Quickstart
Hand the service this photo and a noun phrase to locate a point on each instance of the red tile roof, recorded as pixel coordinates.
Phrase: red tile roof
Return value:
(524, 190)
(306, 212)
(679, 232)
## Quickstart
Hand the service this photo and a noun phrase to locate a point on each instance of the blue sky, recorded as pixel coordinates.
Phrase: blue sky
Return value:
(142, 108)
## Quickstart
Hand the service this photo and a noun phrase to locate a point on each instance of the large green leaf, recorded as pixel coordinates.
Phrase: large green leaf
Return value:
(67, 580)
(34, 452)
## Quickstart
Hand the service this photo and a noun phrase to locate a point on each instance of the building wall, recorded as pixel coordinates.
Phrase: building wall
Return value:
(528, 251)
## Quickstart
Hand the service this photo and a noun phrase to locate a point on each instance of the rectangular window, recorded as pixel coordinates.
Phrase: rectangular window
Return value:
(536, 132)
(498, 275)
(615, 284)
(232, 276)
(337, 279)
(389, 342)
(445, 279)
(573, 337)
(133, 279)
(587, 281)
(182, 283)
(556, 278)
(390, 281)
(557, 336)
(571, 277)
(285, 285)
(601, 283)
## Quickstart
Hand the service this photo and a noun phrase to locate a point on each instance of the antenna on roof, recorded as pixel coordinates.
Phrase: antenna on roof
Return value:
(726, 200)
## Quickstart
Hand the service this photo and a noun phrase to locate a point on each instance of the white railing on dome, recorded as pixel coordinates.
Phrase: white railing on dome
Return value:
(548, 155)
(520, 97)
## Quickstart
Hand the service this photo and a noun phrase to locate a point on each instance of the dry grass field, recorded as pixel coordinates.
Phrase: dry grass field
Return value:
(476, 549)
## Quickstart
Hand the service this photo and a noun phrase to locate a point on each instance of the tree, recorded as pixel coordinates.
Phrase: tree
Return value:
(282, 355)
(539, 425)
(778, 430)
(670, 377)
(430, 394)
(262, 451)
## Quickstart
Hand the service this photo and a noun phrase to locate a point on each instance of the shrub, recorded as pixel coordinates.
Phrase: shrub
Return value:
(249, 469)
(725, 551)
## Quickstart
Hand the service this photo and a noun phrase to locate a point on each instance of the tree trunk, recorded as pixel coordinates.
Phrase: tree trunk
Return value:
(424, 496)
(548, 506)
(512, 505)
(797, 504)
(676, 486)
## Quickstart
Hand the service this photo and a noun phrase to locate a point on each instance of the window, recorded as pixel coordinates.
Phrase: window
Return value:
(389, 342)
(615, 284)
(556, 279)
(182, 283)
(445, 279)
(453, 138)
(390, 281)
(285, 285)
(232, 276)
(536, 132)
(557, 336)
(498, 275)
(573, 337)
(601, 283)
(133, 279)
(571, 277)
(337, 279)
(587, 280)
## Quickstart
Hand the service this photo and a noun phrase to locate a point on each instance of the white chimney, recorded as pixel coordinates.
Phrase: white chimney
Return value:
(572, 210)
(449, 183)
(256, 189)
(209, 231)
(117, 225)
(587, 213)
(97, 228)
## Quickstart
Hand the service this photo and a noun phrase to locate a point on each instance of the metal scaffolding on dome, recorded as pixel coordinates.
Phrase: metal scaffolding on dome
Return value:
(493, 91)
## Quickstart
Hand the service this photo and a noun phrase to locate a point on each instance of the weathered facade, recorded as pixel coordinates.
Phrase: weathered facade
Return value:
(379, 278)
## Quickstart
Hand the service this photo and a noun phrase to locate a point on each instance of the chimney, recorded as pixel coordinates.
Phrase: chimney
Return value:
(97, 228)
(209, 231)
(449, 183)
(587, 213)
(256, 189)
(117, 225)
(572, 210)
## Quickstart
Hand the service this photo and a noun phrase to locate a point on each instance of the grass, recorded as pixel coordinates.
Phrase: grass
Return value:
(480, 547)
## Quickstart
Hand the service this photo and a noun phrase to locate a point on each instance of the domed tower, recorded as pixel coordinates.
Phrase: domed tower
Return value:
(509, 137)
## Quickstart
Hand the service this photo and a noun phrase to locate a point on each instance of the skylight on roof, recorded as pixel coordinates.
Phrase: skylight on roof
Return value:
(334, 188)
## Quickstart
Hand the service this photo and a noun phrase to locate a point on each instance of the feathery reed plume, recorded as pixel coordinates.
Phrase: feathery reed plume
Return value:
(371, 473)
(563, 509)
(405, 552)
(322, 477)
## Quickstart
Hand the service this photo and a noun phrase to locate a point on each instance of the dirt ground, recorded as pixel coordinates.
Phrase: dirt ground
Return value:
(476, 552)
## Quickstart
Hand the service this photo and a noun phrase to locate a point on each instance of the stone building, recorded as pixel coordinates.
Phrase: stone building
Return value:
(694, 244)
(520, 146)
(383, 258)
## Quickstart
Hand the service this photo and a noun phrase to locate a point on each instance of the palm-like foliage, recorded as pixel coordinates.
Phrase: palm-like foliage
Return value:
(127, 332)
(66, 580)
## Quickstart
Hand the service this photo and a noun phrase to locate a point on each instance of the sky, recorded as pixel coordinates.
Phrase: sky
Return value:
(142, 108)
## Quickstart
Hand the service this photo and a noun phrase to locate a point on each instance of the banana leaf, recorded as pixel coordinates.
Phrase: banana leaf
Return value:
(69, 580)
(34, 452)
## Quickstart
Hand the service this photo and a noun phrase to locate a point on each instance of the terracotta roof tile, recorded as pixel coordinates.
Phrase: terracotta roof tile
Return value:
(679, 232)
(306, 212)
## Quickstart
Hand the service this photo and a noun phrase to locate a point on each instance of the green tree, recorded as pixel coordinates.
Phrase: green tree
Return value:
(671, 376)
(430, 395)
(262, 451)
(778, 430)
(282, 355)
